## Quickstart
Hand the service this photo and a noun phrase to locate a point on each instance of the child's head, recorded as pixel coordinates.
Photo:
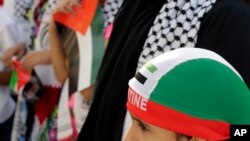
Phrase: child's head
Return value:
(186, 94)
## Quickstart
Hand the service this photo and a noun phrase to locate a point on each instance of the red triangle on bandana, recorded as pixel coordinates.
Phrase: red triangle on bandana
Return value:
(82, 18)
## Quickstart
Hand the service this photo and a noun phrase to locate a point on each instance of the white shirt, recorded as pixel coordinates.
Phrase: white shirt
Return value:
(10, 34)
(45, 72)
(7, 105)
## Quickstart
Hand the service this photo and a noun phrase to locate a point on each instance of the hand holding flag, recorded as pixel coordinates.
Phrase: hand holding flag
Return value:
(19, 78)
(78, 18)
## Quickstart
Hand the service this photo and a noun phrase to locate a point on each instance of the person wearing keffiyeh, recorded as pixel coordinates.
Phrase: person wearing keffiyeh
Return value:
(144, 29)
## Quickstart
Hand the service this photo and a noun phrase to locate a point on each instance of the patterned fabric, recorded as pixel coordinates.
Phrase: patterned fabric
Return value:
(22, 7)
(49, 131)
(39, 21)
(19, 124)
(39, 17)
(190, 87)
(36, 13)
(18, 9)
(110, 8)
(39, 39)
(176, 25)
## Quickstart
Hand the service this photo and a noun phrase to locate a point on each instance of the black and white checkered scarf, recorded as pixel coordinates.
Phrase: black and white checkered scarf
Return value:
(176, 25)
(22, 8)
(110, 8)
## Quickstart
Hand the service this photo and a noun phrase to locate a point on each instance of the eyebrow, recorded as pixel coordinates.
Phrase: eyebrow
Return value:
(138, 120)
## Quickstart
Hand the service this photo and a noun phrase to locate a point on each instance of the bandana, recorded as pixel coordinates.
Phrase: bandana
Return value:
(190, 91)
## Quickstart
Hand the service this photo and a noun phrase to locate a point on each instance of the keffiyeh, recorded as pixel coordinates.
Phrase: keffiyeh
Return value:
(176, 25)
(109, 10)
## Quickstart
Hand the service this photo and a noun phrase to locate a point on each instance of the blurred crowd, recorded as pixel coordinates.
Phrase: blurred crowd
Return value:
(59, 82)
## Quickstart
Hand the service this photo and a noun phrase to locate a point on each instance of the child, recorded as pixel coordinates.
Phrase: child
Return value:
(89, 50)
(186, 94)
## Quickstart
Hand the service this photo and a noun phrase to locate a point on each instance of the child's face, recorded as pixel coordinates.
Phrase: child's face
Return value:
(142, 131)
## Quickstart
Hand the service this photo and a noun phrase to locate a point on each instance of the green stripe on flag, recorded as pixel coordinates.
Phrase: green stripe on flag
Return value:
(13, 81)
(97, 42)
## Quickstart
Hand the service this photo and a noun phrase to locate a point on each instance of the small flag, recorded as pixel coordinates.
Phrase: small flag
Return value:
(19, 77)
(82, 18)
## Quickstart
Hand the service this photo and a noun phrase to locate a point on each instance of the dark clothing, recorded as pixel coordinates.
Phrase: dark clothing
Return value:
(6, 128)
(225, 30)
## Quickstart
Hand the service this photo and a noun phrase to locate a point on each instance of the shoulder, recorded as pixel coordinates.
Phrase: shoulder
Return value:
(227, 16)
(227, 11)
(225, 30)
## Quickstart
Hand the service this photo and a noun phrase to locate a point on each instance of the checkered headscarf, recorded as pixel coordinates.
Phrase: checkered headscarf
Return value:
(22, 7)
(110, 8)
(176, 25)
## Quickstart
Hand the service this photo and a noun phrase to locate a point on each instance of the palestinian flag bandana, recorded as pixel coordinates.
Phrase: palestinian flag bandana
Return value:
(190, 91)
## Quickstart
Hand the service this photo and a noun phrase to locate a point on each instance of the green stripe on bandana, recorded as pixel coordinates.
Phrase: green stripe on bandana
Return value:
(201, 93)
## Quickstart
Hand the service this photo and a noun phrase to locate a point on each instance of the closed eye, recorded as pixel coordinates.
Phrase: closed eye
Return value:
(143, 126)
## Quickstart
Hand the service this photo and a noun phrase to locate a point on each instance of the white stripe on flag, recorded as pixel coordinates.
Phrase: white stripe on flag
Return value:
(64, 114)
(85, 59)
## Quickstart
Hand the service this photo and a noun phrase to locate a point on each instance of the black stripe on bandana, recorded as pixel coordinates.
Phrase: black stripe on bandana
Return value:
(140, 78)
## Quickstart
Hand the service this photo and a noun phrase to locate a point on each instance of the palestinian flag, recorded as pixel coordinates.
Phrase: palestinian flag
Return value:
(85, 13)
(91, 50)
(190, 91)
(19, 77)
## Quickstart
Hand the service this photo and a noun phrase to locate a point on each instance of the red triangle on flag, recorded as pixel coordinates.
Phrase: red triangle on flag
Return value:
(82, 18)
(23, 75)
